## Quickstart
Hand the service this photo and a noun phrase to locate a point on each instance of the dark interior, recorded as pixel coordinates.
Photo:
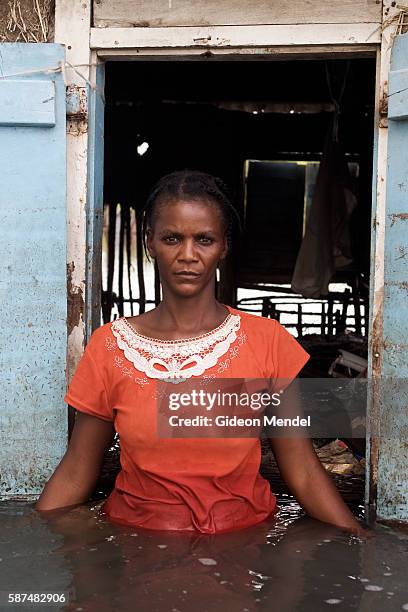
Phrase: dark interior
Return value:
(188, 113)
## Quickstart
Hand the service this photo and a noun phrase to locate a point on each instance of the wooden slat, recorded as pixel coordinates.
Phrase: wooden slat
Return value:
(229, 37)
(295, 52)
(168, 13)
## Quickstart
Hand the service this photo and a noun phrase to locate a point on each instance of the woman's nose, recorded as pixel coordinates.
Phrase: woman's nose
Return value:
(187, 251)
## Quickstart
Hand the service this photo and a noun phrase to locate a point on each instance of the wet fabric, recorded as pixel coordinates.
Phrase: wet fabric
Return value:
(207, 485)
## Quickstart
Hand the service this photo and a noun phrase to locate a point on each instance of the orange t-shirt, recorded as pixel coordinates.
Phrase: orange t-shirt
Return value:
(205, 484)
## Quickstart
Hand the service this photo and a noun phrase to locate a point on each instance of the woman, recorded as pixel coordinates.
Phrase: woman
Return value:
(208, 484)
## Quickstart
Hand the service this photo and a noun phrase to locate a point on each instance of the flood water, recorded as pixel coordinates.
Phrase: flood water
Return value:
(287, 563)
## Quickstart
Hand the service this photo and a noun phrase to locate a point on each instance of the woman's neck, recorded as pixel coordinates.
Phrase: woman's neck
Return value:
(190, 316)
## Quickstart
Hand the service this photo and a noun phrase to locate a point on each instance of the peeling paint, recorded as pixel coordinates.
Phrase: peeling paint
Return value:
(77, 110)
(376, 336)
(398, 216)
(75, 299)
(376, 352)
(383, 107)
(403, 252)
(401, 284)
(76, 128)
(223, 42)
(75, 348)
(393, 345)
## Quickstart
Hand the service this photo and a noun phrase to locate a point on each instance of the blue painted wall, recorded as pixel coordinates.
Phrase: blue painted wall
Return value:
(392, 502)
(33, 420)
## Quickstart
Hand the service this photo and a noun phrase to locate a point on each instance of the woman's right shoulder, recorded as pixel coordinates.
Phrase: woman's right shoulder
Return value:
(100, 334)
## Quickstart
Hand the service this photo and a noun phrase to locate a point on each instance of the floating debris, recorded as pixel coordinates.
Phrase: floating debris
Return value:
(206, 561)
(332, 601)
(373, 587)
(162, 546)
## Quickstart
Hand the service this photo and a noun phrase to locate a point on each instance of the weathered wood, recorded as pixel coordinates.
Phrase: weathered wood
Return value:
(72, 19)
(228, 37)
(261, 53)
(168, 13)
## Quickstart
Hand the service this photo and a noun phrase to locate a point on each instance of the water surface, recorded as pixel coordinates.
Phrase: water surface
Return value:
(287, 563)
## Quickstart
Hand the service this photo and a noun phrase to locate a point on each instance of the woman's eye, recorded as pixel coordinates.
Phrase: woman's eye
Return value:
(170, 239)
(205, 240)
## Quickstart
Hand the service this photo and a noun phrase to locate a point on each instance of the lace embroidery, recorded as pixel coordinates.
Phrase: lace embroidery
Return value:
(110, 344)
(119, 362)
(175, 360)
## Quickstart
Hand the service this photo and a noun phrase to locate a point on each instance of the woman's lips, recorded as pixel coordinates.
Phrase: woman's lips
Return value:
(185, 274)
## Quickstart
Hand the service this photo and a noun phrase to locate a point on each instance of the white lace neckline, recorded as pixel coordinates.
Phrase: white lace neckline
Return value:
(159, 341)
(175, 360)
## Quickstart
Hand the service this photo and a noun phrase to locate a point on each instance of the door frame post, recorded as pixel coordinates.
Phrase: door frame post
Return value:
(72, 28)
(375, 336)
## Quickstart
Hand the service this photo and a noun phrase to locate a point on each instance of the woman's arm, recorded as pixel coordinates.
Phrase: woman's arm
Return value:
(310, 484)
(77, 473)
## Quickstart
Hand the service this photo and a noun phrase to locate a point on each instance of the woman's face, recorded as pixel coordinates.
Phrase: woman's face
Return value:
(188, 240)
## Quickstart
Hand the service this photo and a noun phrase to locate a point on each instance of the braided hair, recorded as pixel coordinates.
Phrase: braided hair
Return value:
(184, 184)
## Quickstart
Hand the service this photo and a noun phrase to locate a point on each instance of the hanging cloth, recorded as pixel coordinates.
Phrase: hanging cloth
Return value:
(326, 244)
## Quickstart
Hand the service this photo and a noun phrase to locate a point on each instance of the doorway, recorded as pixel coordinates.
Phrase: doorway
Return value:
(262, 127)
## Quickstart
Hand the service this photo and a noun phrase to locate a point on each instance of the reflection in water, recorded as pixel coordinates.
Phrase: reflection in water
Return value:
(286, 563)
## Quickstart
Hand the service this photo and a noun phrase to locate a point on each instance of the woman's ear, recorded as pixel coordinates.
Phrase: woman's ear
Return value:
(149, 243)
